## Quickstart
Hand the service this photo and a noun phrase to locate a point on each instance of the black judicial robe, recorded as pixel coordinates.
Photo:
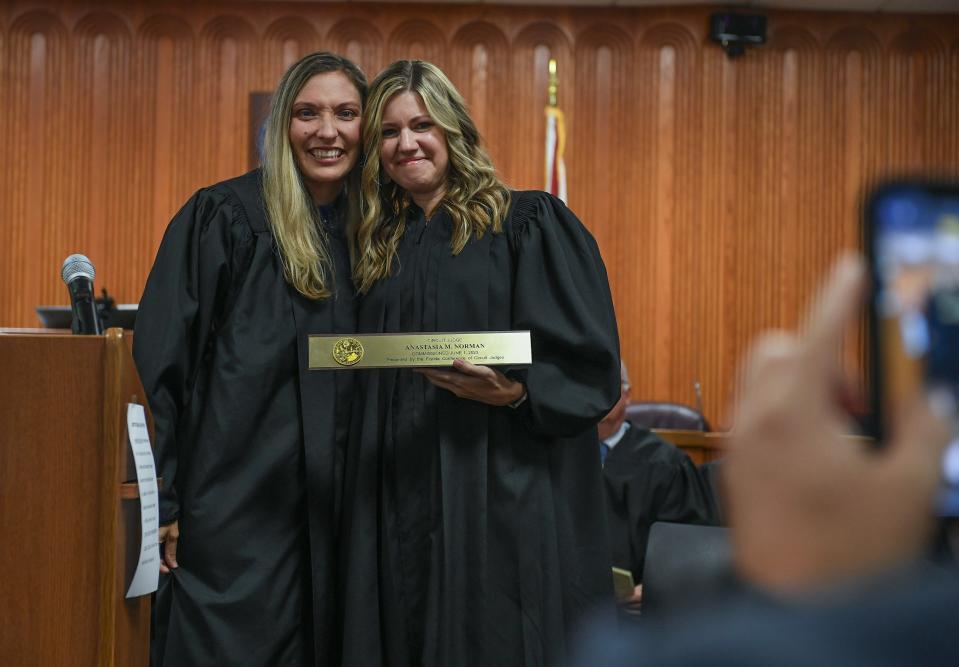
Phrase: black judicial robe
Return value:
(648, 479)
(473, 534)
(247, 440)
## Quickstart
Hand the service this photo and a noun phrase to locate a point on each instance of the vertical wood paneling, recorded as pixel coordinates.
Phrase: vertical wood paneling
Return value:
(665, 232)
(480, 69)
(104, 143)
(718, 86)
(227, 45)
(36, 133)
(164, 89)
(688, 244)
(602, 57)
(285, 41)
(668, 90)
(718, 189)
(7, 185)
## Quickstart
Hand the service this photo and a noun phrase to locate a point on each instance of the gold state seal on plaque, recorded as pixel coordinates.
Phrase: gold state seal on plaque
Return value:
(347, 351)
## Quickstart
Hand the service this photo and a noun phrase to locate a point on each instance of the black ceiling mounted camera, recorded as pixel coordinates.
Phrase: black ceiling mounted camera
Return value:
(735, 31)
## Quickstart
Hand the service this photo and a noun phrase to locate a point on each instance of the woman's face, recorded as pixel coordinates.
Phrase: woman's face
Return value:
(413, 149)
(325, 133)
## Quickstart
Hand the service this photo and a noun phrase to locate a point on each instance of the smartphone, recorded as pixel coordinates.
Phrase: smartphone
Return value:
(912, 241)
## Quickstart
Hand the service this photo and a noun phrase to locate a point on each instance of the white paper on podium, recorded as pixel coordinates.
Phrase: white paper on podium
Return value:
(147, 574)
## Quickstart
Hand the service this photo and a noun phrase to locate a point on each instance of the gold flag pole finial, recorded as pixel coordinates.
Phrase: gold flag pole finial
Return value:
(553, 82)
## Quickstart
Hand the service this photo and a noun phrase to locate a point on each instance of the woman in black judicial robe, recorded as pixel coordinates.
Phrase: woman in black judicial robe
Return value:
(474, 530)
(248, 441)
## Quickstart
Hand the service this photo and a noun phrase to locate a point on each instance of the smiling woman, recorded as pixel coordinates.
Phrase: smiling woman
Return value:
(472, 531)
(325, 133)
(413, 150)
(246, 269)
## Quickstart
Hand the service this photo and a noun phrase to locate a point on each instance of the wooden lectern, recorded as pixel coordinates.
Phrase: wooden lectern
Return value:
(69, 518)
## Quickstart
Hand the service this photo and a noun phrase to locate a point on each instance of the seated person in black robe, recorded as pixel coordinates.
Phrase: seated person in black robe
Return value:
(246, 437)
(473, 497)
(646, 479)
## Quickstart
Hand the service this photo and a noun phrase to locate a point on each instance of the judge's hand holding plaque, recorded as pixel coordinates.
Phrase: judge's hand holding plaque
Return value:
(477, 383)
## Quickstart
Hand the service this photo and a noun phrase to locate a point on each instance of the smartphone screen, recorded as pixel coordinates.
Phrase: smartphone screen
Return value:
(913, 244)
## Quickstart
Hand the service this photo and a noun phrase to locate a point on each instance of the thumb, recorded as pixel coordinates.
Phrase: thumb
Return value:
(468, 368)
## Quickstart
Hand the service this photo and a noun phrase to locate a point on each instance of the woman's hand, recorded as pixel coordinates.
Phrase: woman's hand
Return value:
(633, 605)
(169, 535)
(477, 383)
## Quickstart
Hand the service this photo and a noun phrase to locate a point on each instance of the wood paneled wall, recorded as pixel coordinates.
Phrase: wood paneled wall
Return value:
(718, 189)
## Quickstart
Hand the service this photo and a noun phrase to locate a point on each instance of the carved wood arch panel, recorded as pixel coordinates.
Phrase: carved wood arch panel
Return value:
(480, 70)
(227, 52)
(359, 41)
(417, 39)
(285, 41)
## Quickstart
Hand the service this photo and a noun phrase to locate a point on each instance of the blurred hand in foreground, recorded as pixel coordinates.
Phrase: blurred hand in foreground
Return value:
(809, 507)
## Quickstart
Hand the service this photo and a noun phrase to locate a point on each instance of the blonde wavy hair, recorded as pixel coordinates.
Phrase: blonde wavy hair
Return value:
(294, 219)
(476, 200)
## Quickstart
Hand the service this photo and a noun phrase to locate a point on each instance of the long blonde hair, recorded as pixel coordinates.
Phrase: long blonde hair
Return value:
(293, 217)
(476, 200)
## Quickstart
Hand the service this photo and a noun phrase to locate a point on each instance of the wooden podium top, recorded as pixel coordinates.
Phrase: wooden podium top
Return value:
(28, 331)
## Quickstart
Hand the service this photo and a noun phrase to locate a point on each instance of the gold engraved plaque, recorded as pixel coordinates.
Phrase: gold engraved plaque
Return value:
(421, 350)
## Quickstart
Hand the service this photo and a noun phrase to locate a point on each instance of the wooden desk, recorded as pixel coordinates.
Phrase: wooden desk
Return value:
(701, 446)
(705, 446)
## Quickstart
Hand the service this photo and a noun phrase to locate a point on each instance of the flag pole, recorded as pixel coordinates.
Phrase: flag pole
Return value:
(553, 82)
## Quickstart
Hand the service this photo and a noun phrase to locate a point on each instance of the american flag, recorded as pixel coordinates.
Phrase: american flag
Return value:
(555, 140)
(555, 146)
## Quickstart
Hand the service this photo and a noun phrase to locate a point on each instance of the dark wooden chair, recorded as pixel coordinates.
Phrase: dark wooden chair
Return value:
(660, 414)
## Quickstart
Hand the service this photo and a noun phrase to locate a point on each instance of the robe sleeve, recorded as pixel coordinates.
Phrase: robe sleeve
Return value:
(176, 319)
(561, 294)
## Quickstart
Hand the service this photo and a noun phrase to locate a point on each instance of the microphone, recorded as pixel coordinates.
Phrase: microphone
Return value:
(78, 274)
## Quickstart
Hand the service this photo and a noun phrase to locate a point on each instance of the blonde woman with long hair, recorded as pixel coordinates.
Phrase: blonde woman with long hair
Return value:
(473, 528)
(247, 439)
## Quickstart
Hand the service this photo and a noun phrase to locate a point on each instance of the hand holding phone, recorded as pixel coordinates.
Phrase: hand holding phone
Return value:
(808, 505)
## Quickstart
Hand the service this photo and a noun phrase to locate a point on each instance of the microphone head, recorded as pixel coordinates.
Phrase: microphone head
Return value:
(77, 266)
